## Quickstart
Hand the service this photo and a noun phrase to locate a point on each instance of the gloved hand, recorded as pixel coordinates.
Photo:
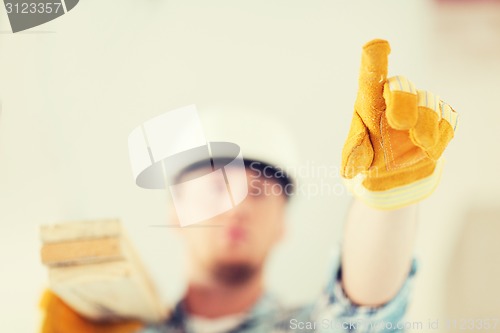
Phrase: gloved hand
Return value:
(60, 318)
(391, 157)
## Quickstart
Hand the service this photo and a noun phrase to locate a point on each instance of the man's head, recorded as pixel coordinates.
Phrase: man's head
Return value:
(232, 247)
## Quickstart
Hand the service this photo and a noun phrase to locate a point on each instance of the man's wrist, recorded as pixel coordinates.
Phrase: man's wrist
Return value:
(399, 196)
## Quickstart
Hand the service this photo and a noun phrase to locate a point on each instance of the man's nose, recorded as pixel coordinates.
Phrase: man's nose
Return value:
(241, 211)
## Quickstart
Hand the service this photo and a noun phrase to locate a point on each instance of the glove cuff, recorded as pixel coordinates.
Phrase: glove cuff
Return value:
(399, 196)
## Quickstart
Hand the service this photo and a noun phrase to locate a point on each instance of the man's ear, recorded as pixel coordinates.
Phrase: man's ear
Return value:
(282, 233)
(282, 230)
(283, 222)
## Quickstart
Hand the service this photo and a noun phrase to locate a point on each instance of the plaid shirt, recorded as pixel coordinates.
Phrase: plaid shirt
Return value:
(332, 312)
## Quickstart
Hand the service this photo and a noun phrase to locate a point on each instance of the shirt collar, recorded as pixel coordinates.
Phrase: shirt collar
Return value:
(266, 304)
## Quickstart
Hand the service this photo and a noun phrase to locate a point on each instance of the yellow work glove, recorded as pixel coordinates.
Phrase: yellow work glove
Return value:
(60, 318)
(391, 157)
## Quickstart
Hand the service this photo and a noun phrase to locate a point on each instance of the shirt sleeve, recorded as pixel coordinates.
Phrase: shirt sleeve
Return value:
(335, 312)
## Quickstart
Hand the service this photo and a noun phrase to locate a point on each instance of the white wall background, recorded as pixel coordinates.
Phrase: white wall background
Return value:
(72, 90)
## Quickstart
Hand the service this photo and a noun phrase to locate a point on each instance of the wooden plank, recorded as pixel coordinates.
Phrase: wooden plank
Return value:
(99, 275)
(107, 291)
(82, 251)
(78, 230)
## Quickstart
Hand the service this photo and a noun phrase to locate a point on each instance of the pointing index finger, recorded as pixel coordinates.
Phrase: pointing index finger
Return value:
(373, 72)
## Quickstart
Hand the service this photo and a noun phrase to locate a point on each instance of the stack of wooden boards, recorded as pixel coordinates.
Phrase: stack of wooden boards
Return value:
(95, 270)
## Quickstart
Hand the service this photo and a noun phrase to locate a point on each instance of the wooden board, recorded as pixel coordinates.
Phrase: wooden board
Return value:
(94, 268)
(77, 230)
(83, 251)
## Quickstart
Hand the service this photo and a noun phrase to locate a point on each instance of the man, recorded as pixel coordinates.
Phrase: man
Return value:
(390, 161)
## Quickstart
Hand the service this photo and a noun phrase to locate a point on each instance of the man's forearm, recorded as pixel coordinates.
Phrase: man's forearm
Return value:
(377, 252)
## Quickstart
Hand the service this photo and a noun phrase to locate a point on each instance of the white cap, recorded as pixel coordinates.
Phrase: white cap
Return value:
(184, 136)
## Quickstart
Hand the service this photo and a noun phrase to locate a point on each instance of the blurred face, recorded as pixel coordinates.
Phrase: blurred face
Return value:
(234, 245)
